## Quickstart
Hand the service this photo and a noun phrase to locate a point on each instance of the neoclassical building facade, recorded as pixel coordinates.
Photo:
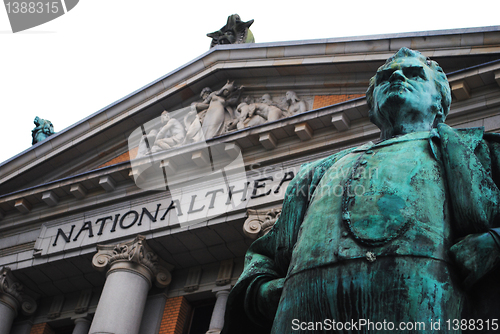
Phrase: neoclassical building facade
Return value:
(137, 218)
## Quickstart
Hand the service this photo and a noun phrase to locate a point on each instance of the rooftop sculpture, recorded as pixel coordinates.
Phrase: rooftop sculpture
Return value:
(43, 129)
(234, 32)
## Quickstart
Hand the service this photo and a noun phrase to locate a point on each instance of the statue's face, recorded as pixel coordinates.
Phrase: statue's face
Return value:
(165, 117)
(405, 88)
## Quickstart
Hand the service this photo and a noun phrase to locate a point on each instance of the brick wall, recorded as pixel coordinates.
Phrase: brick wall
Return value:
(41, 329)
(176, 316)
(327, 100)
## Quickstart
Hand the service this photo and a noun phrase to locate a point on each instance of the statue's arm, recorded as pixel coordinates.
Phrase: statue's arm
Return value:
(478, 253)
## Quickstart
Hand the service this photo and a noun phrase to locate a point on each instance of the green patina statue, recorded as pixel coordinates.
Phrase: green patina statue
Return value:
(42, 130)
(395, 232)
(234, 32)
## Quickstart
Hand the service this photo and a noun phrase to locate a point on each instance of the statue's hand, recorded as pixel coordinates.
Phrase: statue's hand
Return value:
(475, 255)
(269, 297)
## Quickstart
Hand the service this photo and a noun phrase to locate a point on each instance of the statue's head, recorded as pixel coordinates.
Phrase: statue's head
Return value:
(37, 120)
(266, 98)
(291, 96)
(408, 93)
(205, 92)
(165, 117)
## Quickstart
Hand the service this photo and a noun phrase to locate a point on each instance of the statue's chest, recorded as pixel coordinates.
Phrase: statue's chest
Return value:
(382, 191)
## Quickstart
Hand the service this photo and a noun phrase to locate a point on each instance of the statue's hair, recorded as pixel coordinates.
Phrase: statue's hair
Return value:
(439, 77)
(206, 90)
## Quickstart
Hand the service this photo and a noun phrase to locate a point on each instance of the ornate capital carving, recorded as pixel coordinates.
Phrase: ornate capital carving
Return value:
(259, 222)
(11, 293)
(136, 256)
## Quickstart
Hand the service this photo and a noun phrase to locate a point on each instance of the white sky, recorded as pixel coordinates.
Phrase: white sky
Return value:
(101, 51)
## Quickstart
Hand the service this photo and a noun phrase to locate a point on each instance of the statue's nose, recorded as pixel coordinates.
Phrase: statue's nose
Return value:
(397, 75)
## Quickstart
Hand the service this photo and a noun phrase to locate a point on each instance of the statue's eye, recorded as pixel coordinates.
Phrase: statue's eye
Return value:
(414, 72)
(384, 75)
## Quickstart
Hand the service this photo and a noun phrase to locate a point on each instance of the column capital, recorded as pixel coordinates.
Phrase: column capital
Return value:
(135, 256)
(260, 222)
(12, 294)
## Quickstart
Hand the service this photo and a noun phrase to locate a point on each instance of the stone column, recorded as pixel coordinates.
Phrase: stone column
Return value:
(217, 320)
(11, 299)
(132, 267)
(82, 326)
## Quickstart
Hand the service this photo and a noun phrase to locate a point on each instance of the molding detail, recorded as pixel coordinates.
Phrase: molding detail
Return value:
(11, 293)
(193, 279)
(136, 256)
(225, 272)
(259, 222)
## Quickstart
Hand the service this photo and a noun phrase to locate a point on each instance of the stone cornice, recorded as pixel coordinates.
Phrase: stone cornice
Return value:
(134, 256)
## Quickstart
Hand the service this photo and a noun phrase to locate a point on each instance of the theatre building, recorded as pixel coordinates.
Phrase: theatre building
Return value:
(131, 221)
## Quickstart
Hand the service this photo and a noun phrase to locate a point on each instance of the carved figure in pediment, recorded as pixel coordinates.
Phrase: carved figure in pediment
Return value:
(171, 134)
(220, 109)
(269, 112)
(43, 129)
(295, 105)
(246, 116)
(234, 32)
(146, 143)
(192, 124)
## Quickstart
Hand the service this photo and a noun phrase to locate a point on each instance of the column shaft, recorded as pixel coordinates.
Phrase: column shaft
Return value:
(7, 315)
(217, 321)
(82, 326)
(121, 304)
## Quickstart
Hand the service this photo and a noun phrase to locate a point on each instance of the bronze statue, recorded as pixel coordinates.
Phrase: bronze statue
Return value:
(43, 129)
(234, 32)
(397, 231)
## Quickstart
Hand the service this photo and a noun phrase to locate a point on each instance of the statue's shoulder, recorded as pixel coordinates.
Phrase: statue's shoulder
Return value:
(312, 172)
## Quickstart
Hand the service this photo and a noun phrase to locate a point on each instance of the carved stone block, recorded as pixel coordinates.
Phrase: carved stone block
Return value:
(50, 198)
(268, 140)
(23, 205)
(56, 307)
(304, 131)
(341, 122)
(460, 90)
(107, 183)
(225, 272)
(78, 191)
(193, 279)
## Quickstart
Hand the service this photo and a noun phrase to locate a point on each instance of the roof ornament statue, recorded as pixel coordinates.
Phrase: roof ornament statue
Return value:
(43, 129)
(234, 32)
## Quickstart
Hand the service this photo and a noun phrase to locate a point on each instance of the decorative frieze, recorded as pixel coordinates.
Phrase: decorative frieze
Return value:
(134, 256)
(259, 222)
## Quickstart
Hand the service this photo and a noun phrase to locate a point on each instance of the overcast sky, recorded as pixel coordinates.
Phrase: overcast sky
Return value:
(102, 50)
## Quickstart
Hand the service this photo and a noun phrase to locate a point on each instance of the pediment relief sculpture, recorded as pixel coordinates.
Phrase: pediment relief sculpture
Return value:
(218, 112)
